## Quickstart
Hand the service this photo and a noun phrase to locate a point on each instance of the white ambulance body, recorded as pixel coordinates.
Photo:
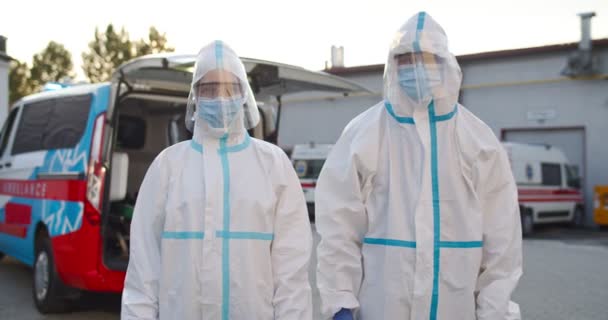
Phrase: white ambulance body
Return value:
(548, 185)
(308, 160)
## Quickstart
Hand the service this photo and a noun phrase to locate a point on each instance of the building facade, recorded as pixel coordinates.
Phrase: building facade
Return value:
(4, 72)
(521, 94)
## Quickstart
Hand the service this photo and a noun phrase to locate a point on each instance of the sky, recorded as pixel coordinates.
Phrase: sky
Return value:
(296, 32)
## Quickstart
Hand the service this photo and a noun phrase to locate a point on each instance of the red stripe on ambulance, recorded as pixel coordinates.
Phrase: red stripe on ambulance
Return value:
(63, 190)
(549, 195)
(550, 200)
(548, 192)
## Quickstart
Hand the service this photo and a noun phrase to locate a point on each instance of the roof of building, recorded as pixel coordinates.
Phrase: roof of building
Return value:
(598, 43)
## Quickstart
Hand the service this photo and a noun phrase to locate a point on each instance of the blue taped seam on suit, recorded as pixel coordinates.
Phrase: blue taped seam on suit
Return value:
(196, 146)
(219, 54)
(461, 244)
(225, 241)
(420, 24)
(436, 212)
(447, 116)
(390, 242)
(412, 244)
(444, 117)
(419, 28)
(183, 235)
(239, 147)
(226, 234)
(244, 235)
(391, 111)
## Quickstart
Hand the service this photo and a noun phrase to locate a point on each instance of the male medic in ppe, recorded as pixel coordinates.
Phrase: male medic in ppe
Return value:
(416, 204)
(220, 228)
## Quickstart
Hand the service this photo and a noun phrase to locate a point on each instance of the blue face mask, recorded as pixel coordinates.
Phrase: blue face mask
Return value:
(417, 81)
(219, 112)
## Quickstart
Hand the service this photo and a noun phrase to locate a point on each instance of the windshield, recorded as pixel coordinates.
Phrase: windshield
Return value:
(572, 174)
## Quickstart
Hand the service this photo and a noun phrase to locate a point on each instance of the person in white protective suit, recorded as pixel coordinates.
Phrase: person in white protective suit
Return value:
(220, 228)
(416, 204)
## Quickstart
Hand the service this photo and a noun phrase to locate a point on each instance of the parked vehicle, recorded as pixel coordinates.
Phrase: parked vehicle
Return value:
(548, 185)
(308, 160)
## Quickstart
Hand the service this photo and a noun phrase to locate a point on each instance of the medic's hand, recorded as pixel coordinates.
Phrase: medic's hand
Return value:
(344, 314)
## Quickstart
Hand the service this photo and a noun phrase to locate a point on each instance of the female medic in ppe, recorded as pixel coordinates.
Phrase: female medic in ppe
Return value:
(416, 204)
(220, 228)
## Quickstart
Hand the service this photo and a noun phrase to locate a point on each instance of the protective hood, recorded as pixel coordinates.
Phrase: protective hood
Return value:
(420, 68)
(226, 105)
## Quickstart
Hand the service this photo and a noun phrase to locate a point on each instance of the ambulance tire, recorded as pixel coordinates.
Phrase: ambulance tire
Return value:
(578, 217)
(1, 256)
(47, 288)
(527, 222)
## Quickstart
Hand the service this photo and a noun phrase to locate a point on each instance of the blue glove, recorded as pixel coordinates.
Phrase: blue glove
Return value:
(344, 314)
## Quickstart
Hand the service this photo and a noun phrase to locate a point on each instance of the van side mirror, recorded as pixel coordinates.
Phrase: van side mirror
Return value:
(120, 174)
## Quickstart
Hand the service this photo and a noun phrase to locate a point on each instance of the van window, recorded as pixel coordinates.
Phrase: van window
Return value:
(6, 130)
(574, 179)
(308, 169)
(552, 174)
(52, 124)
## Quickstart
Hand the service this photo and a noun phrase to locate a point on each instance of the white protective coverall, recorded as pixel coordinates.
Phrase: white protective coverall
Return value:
(220, 228)
(416, 204)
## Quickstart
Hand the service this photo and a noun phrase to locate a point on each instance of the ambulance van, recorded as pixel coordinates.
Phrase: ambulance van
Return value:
(548, 185)
(308, 160)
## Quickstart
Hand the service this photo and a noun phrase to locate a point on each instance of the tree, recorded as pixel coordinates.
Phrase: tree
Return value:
(18, 79)
(157, 43)
(109, 50)
(53, 64)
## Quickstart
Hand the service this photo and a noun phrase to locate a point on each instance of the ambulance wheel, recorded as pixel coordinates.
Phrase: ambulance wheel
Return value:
(47, 287)
(1, 256)
(578, 217)
(527, 222)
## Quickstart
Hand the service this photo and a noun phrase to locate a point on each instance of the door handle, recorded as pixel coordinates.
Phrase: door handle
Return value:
(8, 164)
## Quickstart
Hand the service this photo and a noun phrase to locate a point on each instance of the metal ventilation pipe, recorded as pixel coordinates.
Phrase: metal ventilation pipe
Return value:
(2, 45)
(585, 43)
(581, 62)
(337, 57)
